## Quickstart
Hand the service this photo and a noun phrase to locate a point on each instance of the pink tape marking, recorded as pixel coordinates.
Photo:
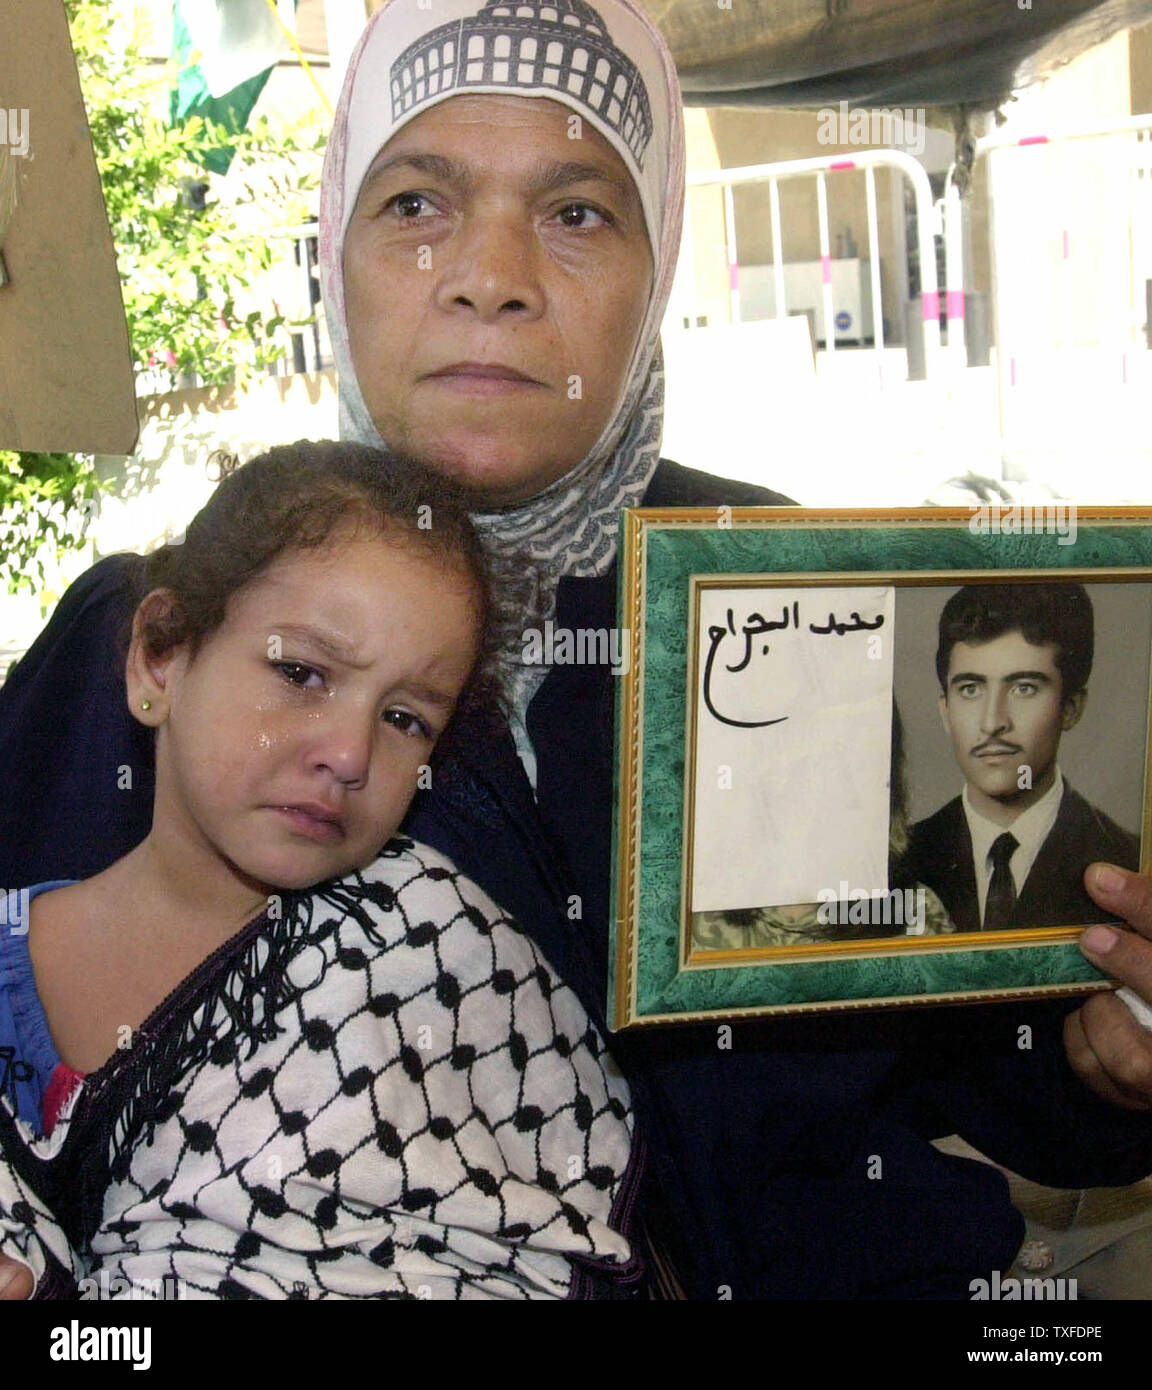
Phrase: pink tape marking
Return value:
(1012, 371)
(1033, 140)
(843, 164)
(1065, 243)
(826, 269)
(955, 304)
(931, 306)
(733, 276)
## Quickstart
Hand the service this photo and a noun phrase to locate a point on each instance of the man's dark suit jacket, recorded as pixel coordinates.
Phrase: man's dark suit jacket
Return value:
(940, 856)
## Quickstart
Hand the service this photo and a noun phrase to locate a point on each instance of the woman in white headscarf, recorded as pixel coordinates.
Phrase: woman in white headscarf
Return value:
(500, 221)
(501, 213)
(486, 270)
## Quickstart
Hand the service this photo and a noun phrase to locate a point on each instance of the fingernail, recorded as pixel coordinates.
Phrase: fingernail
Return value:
(1107, 879)
(1098, 940)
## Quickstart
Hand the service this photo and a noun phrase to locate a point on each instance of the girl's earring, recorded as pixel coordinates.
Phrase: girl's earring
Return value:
(145, 704)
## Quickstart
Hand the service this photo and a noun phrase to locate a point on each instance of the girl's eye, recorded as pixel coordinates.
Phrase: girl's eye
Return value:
(409, 206)
(581, 215)
(408, 723)
(299, 674)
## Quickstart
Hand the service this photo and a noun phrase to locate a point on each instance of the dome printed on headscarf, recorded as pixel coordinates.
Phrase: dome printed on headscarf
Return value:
(533, 43)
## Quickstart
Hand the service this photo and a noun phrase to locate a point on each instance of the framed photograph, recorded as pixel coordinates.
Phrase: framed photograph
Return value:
(865, 757)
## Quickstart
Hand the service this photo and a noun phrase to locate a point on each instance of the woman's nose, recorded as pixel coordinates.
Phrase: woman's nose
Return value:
(489, 266)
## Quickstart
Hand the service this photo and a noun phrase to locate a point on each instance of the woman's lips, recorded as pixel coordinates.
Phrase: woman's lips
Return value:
(482, 379)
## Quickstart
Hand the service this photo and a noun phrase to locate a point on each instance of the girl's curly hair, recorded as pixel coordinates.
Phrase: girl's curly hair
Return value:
(296, 496)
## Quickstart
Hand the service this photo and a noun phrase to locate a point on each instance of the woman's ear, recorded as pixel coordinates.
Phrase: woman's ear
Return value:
(149, 675)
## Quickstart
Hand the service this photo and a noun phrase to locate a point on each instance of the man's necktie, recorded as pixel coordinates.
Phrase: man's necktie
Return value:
(1001, 890)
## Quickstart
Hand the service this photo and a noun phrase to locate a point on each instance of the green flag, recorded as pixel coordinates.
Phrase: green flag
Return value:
(225, 51)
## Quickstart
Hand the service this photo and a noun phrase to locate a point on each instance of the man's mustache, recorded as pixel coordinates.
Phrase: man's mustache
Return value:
(994, 745)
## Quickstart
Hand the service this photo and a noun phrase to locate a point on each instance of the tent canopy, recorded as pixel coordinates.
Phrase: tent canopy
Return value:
(879, 52)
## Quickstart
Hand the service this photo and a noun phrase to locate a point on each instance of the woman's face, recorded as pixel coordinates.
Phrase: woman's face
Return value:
(496, 275)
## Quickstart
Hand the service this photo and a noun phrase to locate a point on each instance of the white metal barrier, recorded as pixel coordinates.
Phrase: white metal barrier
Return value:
(818, 168)
(1138, 126)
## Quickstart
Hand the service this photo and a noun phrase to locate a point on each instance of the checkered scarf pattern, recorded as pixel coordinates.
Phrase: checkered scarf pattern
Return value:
(386, 1094)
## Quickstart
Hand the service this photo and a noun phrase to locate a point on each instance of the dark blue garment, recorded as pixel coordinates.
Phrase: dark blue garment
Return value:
(797, 1163)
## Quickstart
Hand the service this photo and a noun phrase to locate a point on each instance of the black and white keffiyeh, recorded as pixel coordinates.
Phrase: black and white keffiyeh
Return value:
(377, 1090)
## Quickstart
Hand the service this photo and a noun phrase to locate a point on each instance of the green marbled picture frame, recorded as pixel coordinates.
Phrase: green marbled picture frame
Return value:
(657, 975)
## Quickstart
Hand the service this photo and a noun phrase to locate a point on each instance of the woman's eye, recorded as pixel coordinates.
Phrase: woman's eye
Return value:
(299, 674)
(408, 723)
(410, 206)
(581, 215)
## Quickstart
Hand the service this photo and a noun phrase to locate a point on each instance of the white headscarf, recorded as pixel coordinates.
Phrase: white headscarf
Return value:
(608, 63)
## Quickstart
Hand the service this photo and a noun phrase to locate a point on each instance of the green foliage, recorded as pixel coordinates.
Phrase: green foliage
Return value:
(191, 249)
(47, 500)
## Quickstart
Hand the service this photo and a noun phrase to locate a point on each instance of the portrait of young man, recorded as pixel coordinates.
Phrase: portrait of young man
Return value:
(1013, 663)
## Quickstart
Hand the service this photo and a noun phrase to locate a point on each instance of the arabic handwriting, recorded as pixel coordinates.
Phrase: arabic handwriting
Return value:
(756, 625)
(716, 635)
(858, 624)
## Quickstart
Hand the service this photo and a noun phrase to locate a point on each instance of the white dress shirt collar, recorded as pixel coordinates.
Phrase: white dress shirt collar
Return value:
(1031, 828)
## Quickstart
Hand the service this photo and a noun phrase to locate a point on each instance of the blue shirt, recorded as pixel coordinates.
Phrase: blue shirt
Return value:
(28, 1056)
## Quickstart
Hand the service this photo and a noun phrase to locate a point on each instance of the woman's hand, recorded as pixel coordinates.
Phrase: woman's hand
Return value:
(1108, 1048)
(15, 1279)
